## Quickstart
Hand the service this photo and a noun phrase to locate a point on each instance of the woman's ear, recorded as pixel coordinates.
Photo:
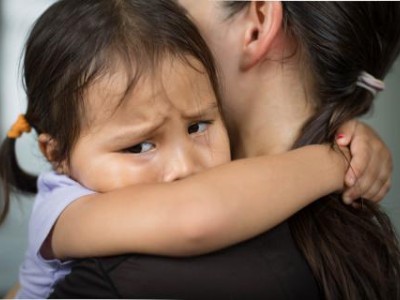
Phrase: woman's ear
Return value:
(48, 146)
(264, 21)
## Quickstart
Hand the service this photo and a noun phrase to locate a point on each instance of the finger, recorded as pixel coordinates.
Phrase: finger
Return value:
(371, 180)
(382, 192)
(374, 189)
(346, 132)
(384, 169)
(359, 163)
(350, 194)
(362, 186)
(347, 199)
(342, 139)
(350, 177)
(384, 177)
(385, 164)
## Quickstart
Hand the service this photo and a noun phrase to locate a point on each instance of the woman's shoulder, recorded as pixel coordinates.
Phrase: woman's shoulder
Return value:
(268, 266)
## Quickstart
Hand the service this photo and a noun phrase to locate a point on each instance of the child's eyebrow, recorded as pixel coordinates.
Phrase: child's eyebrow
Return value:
(138, 130)
(202, 111)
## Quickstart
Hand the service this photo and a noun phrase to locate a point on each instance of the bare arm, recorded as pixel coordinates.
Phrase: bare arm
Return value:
(205, 212)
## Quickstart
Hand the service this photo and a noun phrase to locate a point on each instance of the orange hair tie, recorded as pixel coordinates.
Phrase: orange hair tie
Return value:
(19, 127)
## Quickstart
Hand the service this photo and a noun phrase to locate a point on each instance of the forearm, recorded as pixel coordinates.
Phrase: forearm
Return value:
(202, 213)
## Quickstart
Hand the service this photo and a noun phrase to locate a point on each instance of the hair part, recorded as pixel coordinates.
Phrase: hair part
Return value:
(353, 253)
(76, 42)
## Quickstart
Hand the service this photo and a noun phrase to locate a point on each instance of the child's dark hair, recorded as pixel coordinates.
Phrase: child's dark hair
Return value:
(74, 43)
(353, 253)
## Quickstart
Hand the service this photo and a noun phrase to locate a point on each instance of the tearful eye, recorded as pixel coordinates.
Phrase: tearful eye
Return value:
(199, 127)
(140, 148)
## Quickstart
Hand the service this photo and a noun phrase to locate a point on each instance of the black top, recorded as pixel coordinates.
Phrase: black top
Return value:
(266, 267)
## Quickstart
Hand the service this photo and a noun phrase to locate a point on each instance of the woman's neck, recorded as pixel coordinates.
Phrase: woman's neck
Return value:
(271, 114)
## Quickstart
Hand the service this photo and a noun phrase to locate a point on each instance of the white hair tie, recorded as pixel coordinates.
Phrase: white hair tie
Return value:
(370, 83)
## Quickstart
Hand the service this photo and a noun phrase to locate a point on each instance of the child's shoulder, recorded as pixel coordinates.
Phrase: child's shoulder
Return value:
(51, 182)
(55, 193)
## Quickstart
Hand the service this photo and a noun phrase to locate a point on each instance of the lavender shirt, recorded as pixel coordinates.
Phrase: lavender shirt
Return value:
(37, 275)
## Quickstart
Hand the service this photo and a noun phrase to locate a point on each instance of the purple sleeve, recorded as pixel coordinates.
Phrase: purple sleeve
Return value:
(38, 275)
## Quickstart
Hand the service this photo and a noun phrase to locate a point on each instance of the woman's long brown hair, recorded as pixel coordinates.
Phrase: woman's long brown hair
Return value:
(353, 253)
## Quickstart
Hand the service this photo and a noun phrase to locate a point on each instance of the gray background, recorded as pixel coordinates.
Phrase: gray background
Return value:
(17, 17)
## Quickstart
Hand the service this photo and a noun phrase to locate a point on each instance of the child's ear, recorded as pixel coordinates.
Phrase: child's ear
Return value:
(264, 21)
(48, 146)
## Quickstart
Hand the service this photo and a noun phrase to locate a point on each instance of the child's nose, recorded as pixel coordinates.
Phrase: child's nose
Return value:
(180, 165)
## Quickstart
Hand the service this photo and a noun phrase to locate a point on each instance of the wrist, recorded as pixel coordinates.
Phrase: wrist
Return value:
(341, 158)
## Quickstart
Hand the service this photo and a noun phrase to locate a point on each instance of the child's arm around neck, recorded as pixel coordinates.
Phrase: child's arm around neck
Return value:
(202, 213)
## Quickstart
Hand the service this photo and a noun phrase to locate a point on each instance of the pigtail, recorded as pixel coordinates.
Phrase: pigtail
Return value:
(353, 253)
(12, 176)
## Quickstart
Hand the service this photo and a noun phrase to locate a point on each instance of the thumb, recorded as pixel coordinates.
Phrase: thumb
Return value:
(346, 132)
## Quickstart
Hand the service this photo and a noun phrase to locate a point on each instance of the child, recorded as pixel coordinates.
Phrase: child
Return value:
(123, 93)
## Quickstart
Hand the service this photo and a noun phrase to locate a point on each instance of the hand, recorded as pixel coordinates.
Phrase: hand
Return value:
(369, 175)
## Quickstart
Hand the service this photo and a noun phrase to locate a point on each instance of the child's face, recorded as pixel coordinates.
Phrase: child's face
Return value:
(168, 128)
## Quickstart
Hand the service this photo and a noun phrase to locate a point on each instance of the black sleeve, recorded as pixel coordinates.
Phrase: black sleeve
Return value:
(88, 279)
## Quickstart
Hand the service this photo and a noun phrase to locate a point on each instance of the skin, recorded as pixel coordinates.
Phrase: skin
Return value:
(249, 48)
(258, 90)
(272, 124)
(204, 205)
(167, 128)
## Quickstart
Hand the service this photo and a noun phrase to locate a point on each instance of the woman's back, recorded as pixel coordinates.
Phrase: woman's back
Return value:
(266, 267)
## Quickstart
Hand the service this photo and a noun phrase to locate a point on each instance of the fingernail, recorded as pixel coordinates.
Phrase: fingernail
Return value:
(340, 136)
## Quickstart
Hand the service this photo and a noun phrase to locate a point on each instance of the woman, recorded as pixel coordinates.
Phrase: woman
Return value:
(287, 38)
(264, 48)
